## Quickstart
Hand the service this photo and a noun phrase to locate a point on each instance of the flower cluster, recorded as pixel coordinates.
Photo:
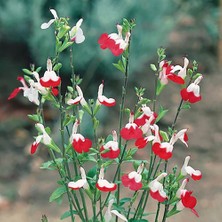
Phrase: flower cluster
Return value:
(78, 150)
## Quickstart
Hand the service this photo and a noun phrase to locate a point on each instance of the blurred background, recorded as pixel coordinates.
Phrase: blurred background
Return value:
(184, 27)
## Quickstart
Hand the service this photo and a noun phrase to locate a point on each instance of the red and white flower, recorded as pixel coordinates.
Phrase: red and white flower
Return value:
(44, 138)
(29, 92)
(104, 185)
(131, 130)
(108, 215)
(165, 149)
(79, 142)
(186, 198)
(114, 42)
(103, 99)
(146, 128)
(81, 183)
(192, 92)
(167, 72)
(146, 115)
(50, 79)
(195, 174)
(156, 189)
(133, 179)
(51, 21)
(76, 33)
(110, 149)
(183, 70)
(79, 99)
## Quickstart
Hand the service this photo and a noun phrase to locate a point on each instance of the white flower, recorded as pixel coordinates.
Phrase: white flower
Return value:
(46, 25)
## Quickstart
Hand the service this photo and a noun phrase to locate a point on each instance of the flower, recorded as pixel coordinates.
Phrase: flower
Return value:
(146, 115)
(133, 179)
(156, 189)
(81, 183)
(108, 215)
(186, 198)
(183, 70)
(50, 79)
(29, 92)
(79, 99)
(44, 138)
(192, 92)
(146, 128)
(110, 149)
(104, 185)
(168, 72)
(51, 21)
(164, 150)
(103, 99)
(131, 130)
(79, 142)
(195, 174)
(76, 33)
(114, 42)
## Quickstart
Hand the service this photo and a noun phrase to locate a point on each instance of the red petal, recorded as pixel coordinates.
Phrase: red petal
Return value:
(106, 189)
(131, 133)
(14, 93)
(141, 143)
(188, 200)
(195, 177)
(175, 78)
(109, 154)
(131, 183)
(156, 195)
(50, 83)
(82, 146)
(34, 147)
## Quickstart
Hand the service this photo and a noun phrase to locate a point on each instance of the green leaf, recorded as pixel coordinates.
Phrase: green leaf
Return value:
(64, 46)
(68, 119)
(139, 220)
(124, 200)
(164, 135)
(34, 117)
(58, 193)
(92, 172)
(68, 214)
(119, 66)
(57, 67)
(161, 114)
(38, 69)
(159, 88)
(186, 106)
(26, 71)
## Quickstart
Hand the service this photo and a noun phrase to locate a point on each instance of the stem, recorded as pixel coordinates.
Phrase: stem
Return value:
(157, 212)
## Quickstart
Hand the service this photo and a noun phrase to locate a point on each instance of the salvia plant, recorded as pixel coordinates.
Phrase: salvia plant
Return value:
(102, 176)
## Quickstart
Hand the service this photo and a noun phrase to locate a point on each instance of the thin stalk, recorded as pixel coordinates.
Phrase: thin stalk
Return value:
(157, 212)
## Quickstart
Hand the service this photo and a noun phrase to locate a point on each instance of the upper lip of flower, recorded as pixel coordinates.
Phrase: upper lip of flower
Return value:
(46, 25)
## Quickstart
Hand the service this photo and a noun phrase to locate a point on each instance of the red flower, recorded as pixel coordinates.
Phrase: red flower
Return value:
(110, 149)
(50, 79)
(133, 179)
(79, 142)
(165, 149)
(168, 72)
(131, 130)
(192, 92)
(195, 174)
(186, 198)
(103, 99)
(146, 115)
(156, 189)
(104, 185)
(114, 42)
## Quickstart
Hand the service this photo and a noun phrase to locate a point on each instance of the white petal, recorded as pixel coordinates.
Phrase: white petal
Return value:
(79, 38)
(47, 24)
(54, 13)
